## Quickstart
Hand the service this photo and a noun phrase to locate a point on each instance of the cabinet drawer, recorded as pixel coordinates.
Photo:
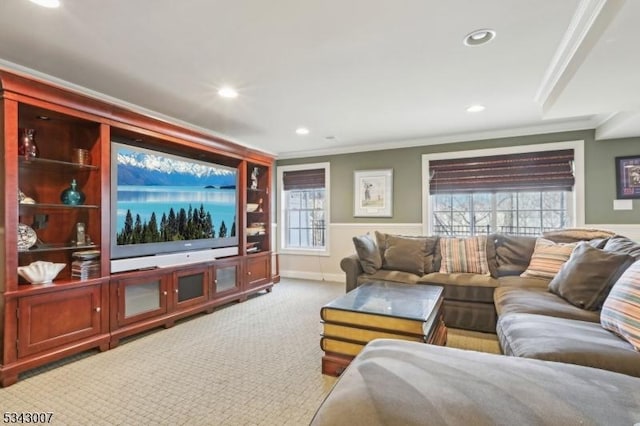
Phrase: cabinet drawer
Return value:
(54, 319)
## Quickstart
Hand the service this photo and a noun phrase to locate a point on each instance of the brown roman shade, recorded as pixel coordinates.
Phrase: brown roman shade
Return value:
(550, 170)
(303, 179)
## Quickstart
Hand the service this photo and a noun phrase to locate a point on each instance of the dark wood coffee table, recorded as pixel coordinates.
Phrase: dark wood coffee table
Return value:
(379, 310)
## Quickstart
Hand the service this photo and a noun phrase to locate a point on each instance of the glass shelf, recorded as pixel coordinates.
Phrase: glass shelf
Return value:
(47, 164)
(38, 206)
(56, 247)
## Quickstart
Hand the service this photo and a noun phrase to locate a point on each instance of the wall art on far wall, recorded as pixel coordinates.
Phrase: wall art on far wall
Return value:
(373, 193)
(628, 176)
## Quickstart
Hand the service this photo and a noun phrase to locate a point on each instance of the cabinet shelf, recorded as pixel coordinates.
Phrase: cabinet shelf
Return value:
(26, 288)
(42, 206)
(56, 247)
(53, 165)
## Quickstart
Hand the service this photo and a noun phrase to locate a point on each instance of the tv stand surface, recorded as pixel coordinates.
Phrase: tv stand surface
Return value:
(170, 259)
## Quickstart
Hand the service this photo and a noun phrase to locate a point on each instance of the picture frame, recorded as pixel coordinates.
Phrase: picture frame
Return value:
(628, 177)
(373, 193)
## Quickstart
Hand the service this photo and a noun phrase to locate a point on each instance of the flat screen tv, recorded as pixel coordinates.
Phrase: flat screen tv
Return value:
(165, 203)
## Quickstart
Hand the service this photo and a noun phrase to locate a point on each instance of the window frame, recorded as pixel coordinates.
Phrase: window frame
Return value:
(282, 229)
(577, 200)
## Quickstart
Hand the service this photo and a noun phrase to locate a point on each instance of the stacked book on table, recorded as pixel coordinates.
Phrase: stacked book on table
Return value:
(347, 332)
(86, 264)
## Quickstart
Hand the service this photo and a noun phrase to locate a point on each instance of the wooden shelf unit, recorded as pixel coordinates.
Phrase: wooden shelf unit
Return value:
(43, 323)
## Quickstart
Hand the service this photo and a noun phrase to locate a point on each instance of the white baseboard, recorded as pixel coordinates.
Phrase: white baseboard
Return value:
(316, 276)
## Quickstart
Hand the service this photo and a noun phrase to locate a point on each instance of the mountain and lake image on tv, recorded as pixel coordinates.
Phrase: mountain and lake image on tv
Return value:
(165, 203)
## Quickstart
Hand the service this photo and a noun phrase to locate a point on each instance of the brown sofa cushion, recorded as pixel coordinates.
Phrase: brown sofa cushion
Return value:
(572, 235)
(513, 253)
(620, 244)
(517, 281)
(368, 253)
(429, 250)
(385, 275)
(564, 340)
(531, 300)
(404, 254)
(587, 277)
(393, 382)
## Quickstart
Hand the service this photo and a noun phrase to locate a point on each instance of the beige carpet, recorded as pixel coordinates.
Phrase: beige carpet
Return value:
(251, 363)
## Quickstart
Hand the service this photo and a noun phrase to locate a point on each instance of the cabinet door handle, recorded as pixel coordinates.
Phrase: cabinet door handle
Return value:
(215, 281)
(97, 309)
(164, 293)
(249, 273)
(176, 290)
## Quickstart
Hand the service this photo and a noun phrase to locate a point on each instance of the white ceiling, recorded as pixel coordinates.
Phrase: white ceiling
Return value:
(369, 73)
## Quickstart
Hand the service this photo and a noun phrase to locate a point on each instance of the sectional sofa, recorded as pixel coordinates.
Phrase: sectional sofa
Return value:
(566, 309)
(542, 295)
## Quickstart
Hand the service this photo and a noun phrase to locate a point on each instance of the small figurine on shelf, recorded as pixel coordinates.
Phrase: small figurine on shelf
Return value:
(254, 178)
(27, 147)
(72, 195)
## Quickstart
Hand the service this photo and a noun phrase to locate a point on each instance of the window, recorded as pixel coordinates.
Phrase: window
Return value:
(495, 190)
(516, 212)
(304, 207)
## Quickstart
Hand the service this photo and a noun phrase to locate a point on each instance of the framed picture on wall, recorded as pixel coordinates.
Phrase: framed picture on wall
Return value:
(373, 193)
(628, 176)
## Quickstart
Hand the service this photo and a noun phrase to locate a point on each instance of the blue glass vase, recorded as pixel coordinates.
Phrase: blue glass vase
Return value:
(72, 196)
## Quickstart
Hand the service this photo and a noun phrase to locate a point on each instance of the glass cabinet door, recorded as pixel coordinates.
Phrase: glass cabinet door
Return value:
(226, 277)
(141, 298)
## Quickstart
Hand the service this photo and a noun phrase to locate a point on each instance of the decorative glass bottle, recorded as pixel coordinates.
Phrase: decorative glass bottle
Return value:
(72, 195)
(27, 147)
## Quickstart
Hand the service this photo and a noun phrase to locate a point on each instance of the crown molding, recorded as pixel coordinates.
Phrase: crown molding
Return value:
(590, 20)
(584, 123)
(623, 124)
(31, 73)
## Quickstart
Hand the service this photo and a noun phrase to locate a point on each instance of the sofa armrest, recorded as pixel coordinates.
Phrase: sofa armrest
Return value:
(352, 268)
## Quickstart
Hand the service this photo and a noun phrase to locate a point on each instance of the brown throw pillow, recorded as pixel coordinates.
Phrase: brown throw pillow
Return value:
(404, 254)
(431, 247)
(367, 253)
(587, 277)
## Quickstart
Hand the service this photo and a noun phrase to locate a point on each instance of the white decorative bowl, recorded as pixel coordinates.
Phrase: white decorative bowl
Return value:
(40, 272)
(252, 207)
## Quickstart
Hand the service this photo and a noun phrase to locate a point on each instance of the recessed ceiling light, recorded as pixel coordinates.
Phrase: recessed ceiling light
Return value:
(47, 3)
(475, 108)
(228, 92)
(479, 37)
(302, 131)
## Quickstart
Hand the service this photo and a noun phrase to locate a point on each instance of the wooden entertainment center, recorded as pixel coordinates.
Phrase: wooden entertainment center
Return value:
(42, 323)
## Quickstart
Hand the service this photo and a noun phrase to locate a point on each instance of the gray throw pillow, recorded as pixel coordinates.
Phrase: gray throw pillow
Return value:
(586, 278)
(368, 253)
